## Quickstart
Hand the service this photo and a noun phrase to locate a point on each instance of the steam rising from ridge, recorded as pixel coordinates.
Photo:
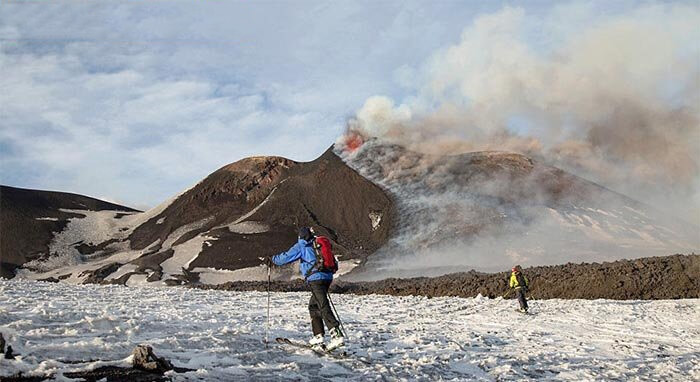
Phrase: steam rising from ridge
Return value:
(615, 101)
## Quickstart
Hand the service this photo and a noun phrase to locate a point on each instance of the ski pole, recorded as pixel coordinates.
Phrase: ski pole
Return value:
(267, 328)
(342, 328)
(507, 293)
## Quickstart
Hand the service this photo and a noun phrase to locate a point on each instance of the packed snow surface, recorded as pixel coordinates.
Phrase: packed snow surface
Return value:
(60, 327)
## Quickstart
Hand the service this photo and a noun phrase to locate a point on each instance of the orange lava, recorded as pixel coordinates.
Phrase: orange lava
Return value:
(353, 141)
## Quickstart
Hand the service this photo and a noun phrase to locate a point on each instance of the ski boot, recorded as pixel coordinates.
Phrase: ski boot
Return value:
(316, 342)
(337, 339)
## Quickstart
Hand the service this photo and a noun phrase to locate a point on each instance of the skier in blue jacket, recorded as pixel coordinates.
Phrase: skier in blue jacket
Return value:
(319, 282)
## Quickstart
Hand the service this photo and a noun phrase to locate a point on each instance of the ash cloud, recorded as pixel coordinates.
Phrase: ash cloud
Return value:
(616, 102)
(612, 99)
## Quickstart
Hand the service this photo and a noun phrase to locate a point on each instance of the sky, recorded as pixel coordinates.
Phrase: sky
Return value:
(134, 102)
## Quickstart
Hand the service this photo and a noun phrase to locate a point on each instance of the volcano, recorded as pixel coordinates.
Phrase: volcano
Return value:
(388, 212)
(489, 210)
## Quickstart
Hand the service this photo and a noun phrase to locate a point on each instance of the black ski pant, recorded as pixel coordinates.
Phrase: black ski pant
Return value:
(520, 294)
(320, 307)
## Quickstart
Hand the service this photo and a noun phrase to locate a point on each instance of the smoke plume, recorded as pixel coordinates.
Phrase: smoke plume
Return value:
(612, 99)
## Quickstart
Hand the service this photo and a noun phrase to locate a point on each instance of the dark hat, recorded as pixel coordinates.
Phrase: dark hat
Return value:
(305, 233)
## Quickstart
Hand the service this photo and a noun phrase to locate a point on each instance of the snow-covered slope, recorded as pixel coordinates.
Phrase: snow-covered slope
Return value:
(220, 334)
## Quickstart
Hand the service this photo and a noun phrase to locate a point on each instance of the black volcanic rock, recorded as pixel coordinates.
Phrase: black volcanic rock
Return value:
(22, 236)
(99, 274)
(651, 278)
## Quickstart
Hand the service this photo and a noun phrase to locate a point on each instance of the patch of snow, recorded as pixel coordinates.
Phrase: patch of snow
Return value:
(213, 276)
(94, 228)
(609, 232)
(638, 212)
(220, 335)
(47, 218)
(185, 254)
(647, 237)
(376, 219)
(137, 280)
(180, 231)
(153, 246)
(161, 220)
(606, 213)
(122, 256)
(124, 269)
(346, 266)
(248, 227)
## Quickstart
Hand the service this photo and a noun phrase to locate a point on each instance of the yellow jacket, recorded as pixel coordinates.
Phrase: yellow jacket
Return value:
(514, 280)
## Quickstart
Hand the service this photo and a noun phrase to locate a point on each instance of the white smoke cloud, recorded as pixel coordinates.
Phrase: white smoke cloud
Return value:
(379, 116)
(615, 102)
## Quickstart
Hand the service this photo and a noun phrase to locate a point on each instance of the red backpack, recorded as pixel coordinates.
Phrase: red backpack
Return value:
(325, 260)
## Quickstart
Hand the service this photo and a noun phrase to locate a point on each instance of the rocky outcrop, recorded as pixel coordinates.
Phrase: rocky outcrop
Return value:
(7, 353)
(652, 278)
(145, 359)
(98, 275)
(146, 367)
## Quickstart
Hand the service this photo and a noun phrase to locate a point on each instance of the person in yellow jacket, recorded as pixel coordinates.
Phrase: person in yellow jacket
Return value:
(520, 283)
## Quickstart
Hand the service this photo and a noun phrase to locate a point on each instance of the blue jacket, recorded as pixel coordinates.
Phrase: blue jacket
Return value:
(303, 251)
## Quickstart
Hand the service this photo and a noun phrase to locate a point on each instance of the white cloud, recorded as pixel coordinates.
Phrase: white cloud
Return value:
(140, 100)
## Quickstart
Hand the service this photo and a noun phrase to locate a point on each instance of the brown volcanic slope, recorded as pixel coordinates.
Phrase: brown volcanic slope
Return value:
(254, 207)
(22, 236)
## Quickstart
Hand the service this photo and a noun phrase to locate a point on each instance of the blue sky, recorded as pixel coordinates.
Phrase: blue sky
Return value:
(135, 101)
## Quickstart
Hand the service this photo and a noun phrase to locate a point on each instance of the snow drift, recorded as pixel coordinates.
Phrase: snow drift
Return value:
(220, 335)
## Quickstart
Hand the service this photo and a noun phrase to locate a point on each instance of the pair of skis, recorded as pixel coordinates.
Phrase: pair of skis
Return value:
(322, 351)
